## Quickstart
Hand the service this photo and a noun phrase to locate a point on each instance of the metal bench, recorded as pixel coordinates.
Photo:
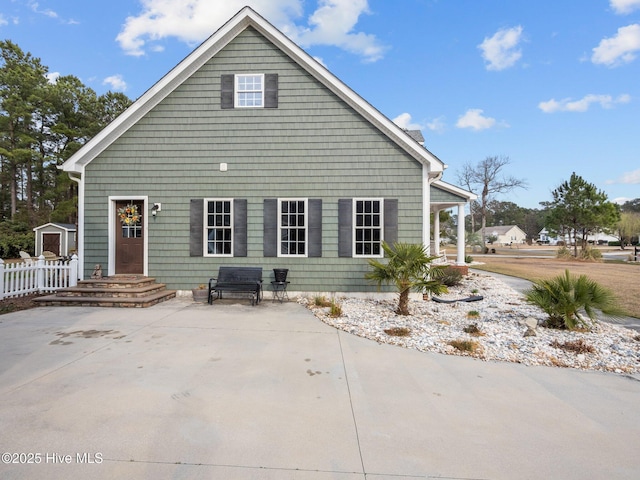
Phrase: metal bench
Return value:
(237, 280)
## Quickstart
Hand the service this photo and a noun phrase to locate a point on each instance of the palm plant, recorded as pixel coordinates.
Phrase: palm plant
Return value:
(408, 267)
(566, 297)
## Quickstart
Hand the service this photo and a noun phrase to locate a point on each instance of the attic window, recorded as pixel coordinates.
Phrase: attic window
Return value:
(249, 91)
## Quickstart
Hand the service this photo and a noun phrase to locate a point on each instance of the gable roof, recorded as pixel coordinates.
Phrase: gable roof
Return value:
(70, 227)
(245, 18)
(501, 229)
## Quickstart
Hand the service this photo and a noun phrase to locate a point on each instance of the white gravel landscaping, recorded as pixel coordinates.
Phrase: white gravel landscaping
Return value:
(501, 322)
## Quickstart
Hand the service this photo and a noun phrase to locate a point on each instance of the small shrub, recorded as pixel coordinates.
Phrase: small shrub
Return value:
(474, 291)
(321, 301)
(564, 253)
(566, 298)
(576, 346)
(468, 259)
(473, 314)
(473, 330)
(398, 332)
(591, 254)
(468, 346)
(335, 310)
(451, 277)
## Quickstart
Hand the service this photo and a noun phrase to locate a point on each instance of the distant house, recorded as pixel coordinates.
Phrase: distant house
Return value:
(505, 234)
(58, 238)
(598, 238)
(545, 237)
(250, 152)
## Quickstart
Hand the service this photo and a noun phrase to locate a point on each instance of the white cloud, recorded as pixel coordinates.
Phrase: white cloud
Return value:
(623, 7)
(333, 23)
(631, 178)
(52, 77)
(582, 105)
(437, 125)
(3, 21)
(500, 51)
(116, 82)
(619, 49)
(474, 119)
(191, 21)
(47, 12)
(404, 121)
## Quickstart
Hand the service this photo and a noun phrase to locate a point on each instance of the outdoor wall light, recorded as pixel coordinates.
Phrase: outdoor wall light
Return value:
(157, 207)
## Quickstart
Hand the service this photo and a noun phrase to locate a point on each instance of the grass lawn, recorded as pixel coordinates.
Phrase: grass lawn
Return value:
(527, 262)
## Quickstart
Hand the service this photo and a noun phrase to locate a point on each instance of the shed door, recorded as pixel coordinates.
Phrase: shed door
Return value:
(51, 243)
(129, 237)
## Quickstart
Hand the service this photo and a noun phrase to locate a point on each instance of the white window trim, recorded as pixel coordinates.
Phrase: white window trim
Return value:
(355, 227)
(306, 227)
(236, 90)
(205, 236)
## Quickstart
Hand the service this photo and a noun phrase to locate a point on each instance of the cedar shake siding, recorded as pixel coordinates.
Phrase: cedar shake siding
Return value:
(304, 144)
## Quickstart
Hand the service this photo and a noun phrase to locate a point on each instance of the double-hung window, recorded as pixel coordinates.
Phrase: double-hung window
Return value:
(368, 225)
(219, 227)
(292, 227)
(249, 90)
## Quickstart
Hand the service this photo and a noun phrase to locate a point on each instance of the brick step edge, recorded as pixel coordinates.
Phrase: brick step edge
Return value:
(138, 292)
(124, 302)
(115, 282)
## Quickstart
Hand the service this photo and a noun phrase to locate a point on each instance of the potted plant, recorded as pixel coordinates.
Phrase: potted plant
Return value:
(201, 293)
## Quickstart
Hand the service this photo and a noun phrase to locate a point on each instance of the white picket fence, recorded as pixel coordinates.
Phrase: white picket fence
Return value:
(40, 276)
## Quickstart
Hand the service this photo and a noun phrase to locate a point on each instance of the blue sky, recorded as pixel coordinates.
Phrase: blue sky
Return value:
(552, 84)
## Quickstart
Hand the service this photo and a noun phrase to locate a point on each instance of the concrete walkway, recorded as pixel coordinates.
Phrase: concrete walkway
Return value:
(228, 391)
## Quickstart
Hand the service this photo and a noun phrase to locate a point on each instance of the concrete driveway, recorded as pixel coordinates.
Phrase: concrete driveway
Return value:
(233, 392)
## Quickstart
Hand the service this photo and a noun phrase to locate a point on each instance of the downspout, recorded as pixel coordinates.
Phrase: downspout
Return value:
(80, 227)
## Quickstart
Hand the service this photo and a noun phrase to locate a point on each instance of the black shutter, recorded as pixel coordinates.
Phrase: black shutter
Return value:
(271, 90)
(240, 228)
(270, 229)
(196, 222)
(345, 227)
(227, 84)
(390, 221)
(315, 228)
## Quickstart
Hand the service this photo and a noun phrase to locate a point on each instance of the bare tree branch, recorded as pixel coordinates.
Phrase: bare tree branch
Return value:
(487, 177)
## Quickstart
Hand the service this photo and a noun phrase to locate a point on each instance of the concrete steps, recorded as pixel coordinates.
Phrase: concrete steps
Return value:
(116, 291)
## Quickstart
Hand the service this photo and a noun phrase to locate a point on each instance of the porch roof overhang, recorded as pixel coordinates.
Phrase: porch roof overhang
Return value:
(445, 195)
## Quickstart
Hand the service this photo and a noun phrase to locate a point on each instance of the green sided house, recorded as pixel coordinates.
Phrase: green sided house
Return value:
(251, 153)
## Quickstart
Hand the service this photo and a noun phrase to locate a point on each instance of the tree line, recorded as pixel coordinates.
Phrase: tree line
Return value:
(44, 120)
(577, 208)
